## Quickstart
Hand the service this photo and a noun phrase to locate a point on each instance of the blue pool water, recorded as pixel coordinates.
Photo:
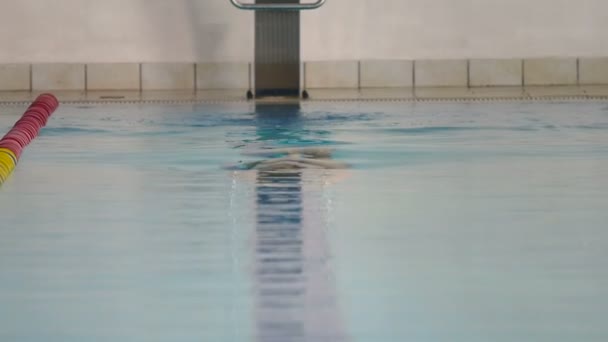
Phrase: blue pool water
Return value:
(455, 222)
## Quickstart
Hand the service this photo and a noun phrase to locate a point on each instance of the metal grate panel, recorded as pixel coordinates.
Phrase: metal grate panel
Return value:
(277, 51)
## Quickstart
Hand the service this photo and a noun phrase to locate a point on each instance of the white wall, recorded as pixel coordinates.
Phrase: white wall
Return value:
(124, 31)
(418, 29)
(212, 30)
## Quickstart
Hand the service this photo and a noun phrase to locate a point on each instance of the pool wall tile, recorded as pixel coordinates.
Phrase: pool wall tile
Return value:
(63, 95)
(331, 74)
(113, 76)
(167, 76)
(366, 74)
(495, 72)
(441, 73)
(15, 77)
(58, 76)
(550, 71)
(386, 74)
(218, 76)
(593, 71)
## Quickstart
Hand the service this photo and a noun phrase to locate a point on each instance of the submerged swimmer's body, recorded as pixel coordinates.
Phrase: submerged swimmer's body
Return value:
(293, 159)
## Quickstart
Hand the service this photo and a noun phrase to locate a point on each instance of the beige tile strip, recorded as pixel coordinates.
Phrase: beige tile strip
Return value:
(441, 73)
(332, 74)
(113, 76)
(58, 76)
(386, 74)
(367, 74)
(217, 76)
(550, 72)
(167, 76)
(593, 71)
(15, 77)
(495, 72)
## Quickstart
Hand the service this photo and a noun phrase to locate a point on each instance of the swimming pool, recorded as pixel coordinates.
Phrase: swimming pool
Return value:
(455, 222)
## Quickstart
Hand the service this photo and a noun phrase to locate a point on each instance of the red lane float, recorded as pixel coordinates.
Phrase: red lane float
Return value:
(24, 132)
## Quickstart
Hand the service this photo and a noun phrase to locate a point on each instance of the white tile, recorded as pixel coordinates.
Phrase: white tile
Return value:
(222, 95)
(443, 92)
(113, 76)
(596, 90)
(167, 76)
(64, 96)
(386, 93)
(495, 72)
(58, 76)
(387, 74)
(215, 76)
(15, 96)
(113, 95)
(499, 92)
(441, 73)
(14, 77)
(593, 71)
(550, 71)
(333, 93)
(169, 95)
(332, 74)
(555, 91)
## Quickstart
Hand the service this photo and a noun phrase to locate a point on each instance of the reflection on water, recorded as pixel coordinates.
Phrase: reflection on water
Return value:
(279, 261)
(295, 299)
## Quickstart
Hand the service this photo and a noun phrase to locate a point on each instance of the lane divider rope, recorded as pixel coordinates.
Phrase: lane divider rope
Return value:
(24, 132)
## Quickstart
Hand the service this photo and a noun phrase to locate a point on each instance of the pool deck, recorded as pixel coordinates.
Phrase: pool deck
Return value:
(532, 93)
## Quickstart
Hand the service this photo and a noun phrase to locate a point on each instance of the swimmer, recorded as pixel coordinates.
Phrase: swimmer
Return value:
(294, 159)
(307, 152)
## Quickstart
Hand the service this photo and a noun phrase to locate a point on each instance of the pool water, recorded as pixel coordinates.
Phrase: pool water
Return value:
(455, 222)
